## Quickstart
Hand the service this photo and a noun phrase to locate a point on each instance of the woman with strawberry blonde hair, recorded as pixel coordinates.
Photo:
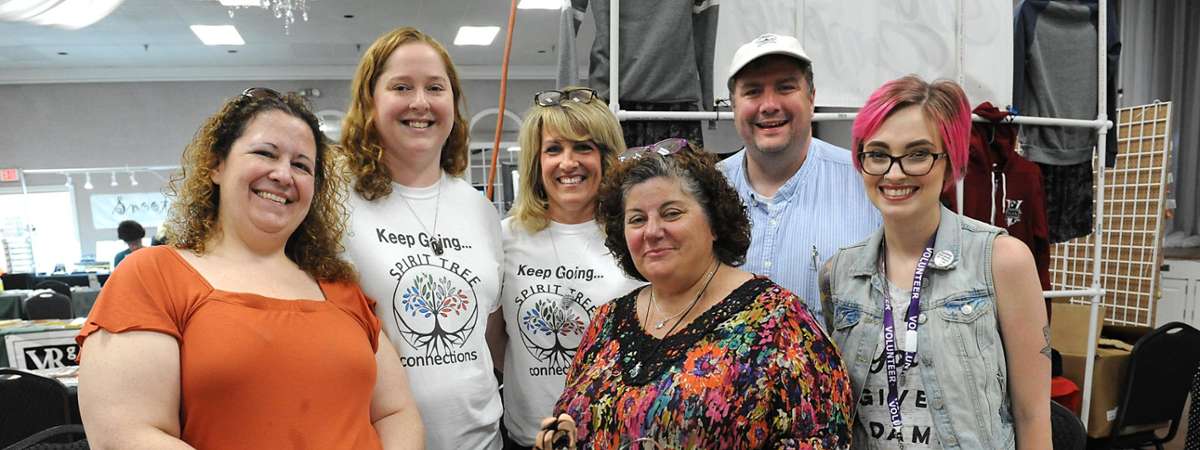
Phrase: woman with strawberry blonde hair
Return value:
(425, 242)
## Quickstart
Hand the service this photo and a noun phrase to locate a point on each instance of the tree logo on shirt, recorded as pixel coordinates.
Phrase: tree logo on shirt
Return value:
(436, 312)
(551, 327)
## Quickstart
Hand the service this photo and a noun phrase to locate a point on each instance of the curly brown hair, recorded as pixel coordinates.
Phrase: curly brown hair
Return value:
(698, 176)
(315, 245)
(360, 140)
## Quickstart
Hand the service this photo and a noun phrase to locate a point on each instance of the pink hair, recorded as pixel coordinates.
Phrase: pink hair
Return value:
(943, 103)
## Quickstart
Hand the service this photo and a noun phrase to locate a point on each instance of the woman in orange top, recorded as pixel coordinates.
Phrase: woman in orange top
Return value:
(247, 331)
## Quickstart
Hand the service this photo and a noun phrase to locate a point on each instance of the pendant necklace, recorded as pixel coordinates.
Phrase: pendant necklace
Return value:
(661, 323)
(435, 244)
(637, 368)
(564, 298)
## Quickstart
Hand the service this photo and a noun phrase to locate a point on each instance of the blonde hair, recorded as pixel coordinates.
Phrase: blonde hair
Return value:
(363, 153)
(572, 120)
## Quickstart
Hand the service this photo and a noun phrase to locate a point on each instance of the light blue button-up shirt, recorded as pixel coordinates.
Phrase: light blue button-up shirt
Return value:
(820, 209)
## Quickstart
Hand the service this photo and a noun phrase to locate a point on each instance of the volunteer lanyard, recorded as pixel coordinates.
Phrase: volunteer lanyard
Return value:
(910, 333)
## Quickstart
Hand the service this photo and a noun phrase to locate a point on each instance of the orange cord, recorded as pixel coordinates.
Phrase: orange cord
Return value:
(512, 17)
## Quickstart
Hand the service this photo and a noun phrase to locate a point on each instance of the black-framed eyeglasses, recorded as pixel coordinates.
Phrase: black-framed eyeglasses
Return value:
(913, 164)
(261, 92)
(664, 147)
(555, 97)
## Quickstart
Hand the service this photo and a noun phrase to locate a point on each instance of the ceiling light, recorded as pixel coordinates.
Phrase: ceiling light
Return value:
(514, 149)
(88, 183)
(287, 10)
(218, 34)
(114, 180)
(540, 4)
(476, 35)
(132, 180)
(68, 14)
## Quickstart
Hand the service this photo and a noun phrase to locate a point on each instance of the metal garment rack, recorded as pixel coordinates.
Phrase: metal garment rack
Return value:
(1101, 124)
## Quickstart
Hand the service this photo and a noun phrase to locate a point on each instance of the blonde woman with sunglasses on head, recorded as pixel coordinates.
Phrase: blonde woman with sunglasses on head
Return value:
(556, 270)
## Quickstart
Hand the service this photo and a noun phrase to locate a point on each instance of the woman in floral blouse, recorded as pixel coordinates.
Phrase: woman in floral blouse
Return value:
(707, 355)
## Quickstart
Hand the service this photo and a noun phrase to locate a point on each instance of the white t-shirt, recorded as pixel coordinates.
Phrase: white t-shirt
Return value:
(873, 429)
(434, 309)
(553, 282)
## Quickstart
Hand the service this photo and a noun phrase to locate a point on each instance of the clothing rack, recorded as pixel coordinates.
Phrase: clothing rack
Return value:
(1101, 124)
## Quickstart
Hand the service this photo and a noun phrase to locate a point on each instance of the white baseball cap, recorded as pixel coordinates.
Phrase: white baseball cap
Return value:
(766, 44)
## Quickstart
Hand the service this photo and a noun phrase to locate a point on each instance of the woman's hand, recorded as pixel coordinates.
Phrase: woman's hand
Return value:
(556, 433)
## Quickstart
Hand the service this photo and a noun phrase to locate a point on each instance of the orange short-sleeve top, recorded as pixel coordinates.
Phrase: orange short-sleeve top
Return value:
(255, 372)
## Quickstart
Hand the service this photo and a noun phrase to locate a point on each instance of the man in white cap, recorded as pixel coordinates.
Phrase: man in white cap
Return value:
(804, 197)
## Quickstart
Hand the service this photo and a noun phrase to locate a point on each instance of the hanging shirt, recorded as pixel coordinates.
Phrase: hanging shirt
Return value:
(1054, 75)
(1003, 189)
(666, 49)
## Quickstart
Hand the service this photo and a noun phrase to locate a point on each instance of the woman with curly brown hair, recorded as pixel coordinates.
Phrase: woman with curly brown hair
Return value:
(247, 331)
(425, 242)
(707, 355)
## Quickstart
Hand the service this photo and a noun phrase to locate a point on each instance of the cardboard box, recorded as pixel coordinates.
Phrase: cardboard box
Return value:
(1068, 335)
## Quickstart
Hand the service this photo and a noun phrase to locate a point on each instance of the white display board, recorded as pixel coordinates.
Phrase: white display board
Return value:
(42, 350)
(148, 208)
(857, 45)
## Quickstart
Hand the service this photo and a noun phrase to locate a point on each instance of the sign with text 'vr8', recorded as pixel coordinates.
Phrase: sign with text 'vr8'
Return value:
(42, 350)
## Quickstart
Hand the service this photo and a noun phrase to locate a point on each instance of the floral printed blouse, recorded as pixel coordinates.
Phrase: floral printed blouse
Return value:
(754, 371)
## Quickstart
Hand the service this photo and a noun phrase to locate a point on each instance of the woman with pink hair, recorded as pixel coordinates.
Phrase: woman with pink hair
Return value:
(939, 317)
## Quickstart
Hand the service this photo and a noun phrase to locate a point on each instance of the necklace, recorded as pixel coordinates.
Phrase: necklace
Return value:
(637, 368)
(435, 244)
(564, 298)
(658, 325)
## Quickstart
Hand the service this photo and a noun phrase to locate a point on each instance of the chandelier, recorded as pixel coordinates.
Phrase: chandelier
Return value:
(286, 10)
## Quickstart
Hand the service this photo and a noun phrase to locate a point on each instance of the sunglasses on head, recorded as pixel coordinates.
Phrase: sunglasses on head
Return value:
(555, 97)
(666, 147)
(261, 92)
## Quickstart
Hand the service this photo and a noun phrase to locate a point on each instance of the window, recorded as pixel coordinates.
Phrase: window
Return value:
(42, 223)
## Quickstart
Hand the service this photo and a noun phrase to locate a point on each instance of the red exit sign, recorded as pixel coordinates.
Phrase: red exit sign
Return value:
(10, 174)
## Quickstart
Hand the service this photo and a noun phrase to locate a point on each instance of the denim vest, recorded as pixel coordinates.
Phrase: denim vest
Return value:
(959, 345)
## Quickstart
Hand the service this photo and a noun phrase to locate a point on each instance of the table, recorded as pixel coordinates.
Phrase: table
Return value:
(72, 279)
(10, 303)
(82, 300)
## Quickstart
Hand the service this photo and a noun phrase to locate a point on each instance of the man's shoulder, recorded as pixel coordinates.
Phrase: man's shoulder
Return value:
(731, 160)
(732, 166)
(829, 153)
